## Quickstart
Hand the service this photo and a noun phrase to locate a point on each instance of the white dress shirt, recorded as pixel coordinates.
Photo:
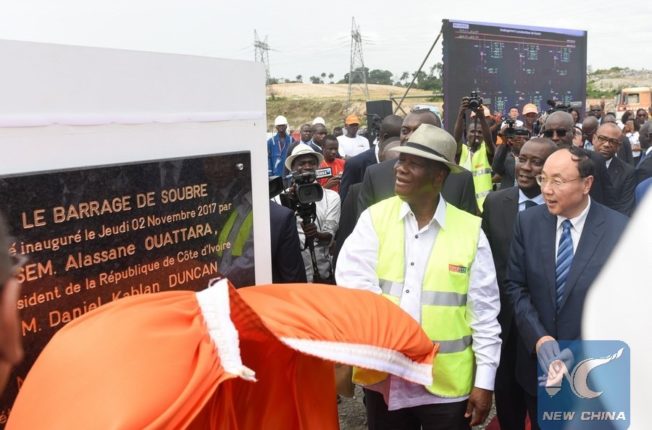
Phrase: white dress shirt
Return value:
(522, 198)
(328, 218)
(576, 229)
(356, 268)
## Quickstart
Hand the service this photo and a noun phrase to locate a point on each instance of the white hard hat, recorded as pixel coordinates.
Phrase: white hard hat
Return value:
(280, 120)
(318, 120)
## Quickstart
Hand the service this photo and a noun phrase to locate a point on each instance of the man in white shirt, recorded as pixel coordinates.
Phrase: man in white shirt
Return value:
(434, 261)
(322, 229)
(512, 115)
(350, 143)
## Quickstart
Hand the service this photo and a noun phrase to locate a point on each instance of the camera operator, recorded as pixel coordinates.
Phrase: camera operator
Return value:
(317, 221)
(512, 116)
(504, 160)
(477, 154)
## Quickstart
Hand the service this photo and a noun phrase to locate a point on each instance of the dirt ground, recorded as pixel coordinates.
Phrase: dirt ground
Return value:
(338, 91)
(353, 416)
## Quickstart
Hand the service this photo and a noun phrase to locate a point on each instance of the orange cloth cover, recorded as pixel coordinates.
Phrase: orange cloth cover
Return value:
(187, 360)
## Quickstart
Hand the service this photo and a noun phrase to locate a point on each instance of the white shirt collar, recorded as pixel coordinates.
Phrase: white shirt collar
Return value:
(376, 150)
(439, 217)
(578, 221)
(522, 198)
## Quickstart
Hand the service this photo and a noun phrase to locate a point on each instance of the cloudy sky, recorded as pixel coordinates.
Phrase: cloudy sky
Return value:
(309, 38)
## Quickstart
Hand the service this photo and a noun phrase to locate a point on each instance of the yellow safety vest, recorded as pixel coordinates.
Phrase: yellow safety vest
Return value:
(443, 296)
(480, 168)
(241, 234)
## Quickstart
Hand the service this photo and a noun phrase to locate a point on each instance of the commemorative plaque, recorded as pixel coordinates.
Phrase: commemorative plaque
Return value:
(95, 235)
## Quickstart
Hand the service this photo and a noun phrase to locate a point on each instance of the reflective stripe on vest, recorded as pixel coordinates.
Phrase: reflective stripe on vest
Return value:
(458, 345)
(439, 298)
(443, 296)
(480, 168)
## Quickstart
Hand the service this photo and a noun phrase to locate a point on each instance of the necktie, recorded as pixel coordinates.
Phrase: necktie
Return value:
(529, 204)
(564, 260)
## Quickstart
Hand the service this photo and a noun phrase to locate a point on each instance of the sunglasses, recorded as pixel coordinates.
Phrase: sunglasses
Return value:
(561, 132)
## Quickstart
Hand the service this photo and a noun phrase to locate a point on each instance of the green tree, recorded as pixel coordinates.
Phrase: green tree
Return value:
(421, 76)
(382, 77)
(316, 80)
(436, 70)
(357, 76)
(330, 77)
(299, 78)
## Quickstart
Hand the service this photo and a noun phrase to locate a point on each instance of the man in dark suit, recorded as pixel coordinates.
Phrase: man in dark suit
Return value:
(606, 142)
(559, 128)
(556, 253)
(348, 219)
(644, 168)
(498, 217)
(287, 263)
(379, 179)
(355, 166)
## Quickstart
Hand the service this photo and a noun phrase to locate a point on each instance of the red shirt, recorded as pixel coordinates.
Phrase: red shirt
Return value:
(337, 167)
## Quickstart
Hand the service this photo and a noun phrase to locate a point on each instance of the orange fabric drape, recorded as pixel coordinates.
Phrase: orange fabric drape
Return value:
(151, 361)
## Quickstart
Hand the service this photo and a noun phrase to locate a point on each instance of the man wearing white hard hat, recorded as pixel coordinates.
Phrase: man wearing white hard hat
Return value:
(277, 147)
(321, 231)
(434, 261)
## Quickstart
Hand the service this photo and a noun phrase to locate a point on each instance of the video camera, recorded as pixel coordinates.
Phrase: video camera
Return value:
(304, 191)
(511, 130)
(301, 196)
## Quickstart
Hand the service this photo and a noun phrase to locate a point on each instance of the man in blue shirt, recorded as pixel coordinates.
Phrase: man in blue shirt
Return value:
(277, 147)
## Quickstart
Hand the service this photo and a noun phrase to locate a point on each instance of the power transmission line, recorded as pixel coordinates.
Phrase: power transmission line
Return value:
(357, 62)
(261, 54)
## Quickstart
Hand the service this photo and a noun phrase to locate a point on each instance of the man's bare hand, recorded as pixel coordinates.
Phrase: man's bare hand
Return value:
(310, 230)
(478, 405)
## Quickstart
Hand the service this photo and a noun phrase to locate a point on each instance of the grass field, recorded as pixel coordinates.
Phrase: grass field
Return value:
(301, 103)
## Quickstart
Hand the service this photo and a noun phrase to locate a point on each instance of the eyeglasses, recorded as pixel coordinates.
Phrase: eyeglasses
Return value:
(596, 110)
(561, 132)
(554, 182)
(605, 139)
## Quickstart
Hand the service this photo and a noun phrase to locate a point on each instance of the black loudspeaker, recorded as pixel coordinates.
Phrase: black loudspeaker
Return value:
(382, 108)
(376, 111)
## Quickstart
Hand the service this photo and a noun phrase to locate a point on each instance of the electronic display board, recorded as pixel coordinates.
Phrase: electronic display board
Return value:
(511, 65)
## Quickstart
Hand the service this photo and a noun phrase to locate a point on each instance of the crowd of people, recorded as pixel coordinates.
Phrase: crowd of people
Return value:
(490, 237)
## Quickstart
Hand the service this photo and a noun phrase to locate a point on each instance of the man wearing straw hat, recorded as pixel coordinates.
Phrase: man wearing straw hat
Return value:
(432, 260)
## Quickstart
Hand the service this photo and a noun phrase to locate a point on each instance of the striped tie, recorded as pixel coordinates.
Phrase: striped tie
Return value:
(564, 260)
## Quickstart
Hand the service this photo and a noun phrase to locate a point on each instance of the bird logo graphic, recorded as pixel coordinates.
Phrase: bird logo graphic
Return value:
(578, 379)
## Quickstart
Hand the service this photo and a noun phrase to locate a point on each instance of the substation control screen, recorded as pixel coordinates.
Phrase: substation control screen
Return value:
(511, 65)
